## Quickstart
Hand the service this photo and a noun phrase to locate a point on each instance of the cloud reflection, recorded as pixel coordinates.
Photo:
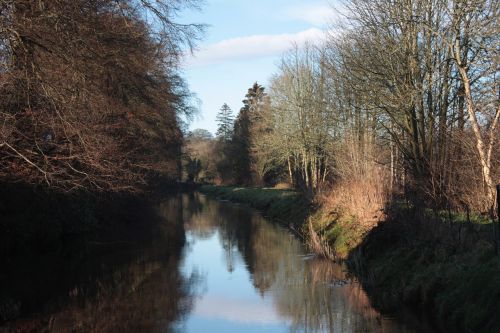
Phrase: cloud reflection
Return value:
(237, 310)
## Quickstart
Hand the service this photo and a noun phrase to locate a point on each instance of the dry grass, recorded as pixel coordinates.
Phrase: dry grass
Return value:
(348, 212)
(283, 186)
(363, 198)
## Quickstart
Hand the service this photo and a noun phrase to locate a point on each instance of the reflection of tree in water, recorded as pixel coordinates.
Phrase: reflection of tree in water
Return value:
(270, 246)
(141, 290)
(315, 295)
(238, 228)
(318, 297)
(199, 215)
(146, 296)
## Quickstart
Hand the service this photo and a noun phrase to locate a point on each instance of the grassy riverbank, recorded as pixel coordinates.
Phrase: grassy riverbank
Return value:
(286, 206)
(441, 264)
(448, 270)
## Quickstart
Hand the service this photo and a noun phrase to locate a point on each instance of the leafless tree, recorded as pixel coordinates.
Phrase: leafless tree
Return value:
(91, 95)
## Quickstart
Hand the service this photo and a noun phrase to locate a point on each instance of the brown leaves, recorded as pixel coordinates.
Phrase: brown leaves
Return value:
(87, 101)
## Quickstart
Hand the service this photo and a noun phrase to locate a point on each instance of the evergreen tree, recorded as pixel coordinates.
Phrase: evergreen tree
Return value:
(241, 147)
(225, 120)
(246, 126)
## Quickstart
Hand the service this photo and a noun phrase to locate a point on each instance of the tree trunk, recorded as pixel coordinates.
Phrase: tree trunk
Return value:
(483, 158)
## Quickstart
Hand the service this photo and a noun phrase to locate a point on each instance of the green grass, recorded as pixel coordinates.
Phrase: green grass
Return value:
(338, 229)
(403, 208)
(287, 206)
(458, 286)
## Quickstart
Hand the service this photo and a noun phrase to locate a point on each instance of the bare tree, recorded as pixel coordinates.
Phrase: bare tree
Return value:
(91, 95)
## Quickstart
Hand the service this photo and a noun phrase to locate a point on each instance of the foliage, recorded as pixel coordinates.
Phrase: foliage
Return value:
(225, 123)
(91, 96)
(406, 91)
(207, 159)
(249, 168)
(402, 68)
(301, 120)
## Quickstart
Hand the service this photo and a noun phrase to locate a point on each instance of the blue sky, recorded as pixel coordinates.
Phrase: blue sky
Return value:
(243, 44)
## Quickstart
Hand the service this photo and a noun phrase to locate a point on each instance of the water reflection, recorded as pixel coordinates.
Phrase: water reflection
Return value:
(130, 287)
(290, 290)
(210, 267)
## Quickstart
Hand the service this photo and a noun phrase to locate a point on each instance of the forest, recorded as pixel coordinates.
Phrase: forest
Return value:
(401, 100)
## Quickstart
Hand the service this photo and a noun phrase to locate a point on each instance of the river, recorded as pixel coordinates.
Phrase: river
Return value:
(211, 267)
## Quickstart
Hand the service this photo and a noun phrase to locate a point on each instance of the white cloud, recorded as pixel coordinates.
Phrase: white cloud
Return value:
(249, 47)
(316, 14)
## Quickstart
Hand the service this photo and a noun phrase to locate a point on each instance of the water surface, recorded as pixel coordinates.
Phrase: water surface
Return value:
(257, 277)
(210, 267)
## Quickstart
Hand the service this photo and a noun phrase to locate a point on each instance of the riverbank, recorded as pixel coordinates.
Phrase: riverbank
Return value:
(447, 267)
(441, 265)
(285, 206)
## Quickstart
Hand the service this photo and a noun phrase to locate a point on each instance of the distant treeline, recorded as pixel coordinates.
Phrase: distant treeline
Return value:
(90, 92)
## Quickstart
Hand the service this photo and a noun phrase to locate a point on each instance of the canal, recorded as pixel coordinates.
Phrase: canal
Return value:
(209, 266)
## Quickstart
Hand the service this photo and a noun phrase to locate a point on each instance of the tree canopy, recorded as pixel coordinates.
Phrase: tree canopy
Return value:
(91, 93)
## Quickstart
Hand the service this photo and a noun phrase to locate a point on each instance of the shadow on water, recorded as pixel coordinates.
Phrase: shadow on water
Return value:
(131, 285)
(207, 266)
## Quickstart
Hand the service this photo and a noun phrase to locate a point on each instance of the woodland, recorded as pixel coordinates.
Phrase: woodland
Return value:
(401, 100)
(91, 94)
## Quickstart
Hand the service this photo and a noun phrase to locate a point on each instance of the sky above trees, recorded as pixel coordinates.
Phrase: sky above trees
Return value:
(243, 44)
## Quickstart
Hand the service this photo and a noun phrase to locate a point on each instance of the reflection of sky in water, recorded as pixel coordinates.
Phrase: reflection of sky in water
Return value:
(229, 302)
(256, 277)
(237, 273)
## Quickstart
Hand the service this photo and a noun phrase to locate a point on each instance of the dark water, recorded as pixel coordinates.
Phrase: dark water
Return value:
(210, 267)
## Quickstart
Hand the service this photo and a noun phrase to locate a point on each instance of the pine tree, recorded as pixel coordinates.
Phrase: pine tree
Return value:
(225, 120)
(246, 127)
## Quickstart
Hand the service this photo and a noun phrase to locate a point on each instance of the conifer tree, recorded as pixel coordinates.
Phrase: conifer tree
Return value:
(225, 121)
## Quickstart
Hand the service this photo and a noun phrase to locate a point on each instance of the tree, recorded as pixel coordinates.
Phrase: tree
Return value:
(91, 96)
(225, 123)
(240, 146)
(425, 70)
(200, 134)
(473, 44)
(302, 119)
(193, 169)
(404, 92)
(248, 126)
(200, 156)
